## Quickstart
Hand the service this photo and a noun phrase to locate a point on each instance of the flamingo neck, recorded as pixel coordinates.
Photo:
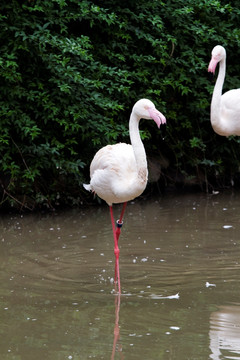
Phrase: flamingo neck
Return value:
(217, 93)
(138, 148)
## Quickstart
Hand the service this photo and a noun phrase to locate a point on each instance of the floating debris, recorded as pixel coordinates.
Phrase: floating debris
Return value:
(156, 297)
(208, 284)
(175, 327)
(227, 226)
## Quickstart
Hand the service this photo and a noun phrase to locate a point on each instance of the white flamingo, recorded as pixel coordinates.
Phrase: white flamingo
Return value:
(225, 109)
(119, 172)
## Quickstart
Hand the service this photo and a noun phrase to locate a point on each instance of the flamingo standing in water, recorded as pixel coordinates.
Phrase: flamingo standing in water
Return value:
(225, 109)
(119, 172)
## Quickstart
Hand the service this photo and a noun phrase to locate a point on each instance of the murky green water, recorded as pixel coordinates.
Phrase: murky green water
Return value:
(180, 278)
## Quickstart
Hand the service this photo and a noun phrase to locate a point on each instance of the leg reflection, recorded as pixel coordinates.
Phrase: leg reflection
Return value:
(117, 347)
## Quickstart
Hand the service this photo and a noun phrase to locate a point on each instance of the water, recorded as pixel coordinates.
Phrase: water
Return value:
(179, 265)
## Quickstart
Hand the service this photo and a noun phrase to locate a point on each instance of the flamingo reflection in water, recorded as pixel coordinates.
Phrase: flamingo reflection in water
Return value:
(225, 333)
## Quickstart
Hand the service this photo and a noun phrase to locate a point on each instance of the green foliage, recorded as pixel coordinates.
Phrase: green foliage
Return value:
(71, 71)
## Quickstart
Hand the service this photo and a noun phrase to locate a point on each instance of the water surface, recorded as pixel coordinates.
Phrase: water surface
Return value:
(179, 265)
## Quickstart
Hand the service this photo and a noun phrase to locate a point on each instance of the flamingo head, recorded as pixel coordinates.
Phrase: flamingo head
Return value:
(145, 109)
(218, 54)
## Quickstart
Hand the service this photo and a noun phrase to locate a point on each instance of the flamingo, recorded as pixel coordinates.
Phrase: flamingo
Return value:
(225, 109)
(119, 172)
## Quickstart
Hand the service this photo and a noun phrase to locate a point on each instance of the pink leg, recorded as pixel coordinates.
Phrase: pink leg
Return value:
(116, 251)
(116, 234)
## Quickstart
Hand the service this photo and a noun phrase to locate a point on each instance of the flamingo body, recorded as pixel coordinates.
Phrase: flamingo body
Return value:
(225, 109)
(114, 174)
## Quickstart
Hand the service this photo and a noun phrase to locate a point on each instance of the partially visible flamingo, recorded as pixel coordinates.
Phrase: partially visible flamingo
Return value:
(225, 109)
(119, 172)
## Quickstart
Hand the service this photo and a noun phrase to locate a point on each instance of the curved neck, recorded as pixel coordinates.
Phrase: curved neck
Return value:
(138, 148)
(217, 93)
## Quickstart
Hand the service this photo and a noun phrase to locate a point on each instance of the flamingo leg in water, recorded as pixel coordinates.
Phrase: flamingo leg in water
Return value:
(116, 250)
(116, 235)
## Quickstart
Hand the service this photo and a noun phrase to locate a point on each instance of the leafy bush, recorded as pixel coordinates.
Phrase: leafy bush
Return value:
(71, 71)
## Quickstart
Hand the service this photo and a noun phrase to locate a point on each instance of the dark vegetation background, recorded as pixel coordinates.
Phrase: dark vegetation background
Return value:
(70, 72)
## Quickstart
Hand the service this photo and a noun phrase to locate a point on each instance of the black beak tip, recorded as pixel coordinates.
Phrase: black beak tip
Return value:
(211, 76)
(163, 131)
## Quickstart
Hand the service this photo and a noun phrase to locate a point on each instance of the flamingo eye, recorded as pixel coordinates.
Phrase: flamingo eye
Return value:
(217, 56)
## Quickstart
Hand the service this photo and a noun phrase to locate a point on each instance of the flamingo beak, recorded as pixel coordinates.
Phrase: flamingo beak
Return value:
(157, 116)
(212, 65)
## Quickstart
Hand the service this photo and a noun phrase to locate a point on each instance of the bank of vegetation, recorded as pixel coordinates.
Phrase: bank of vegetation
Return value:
(70, 72)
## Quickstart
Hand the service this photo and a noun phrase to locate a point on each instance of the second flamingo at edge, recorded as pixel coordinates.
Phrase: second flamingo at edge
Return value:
(225, 109)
